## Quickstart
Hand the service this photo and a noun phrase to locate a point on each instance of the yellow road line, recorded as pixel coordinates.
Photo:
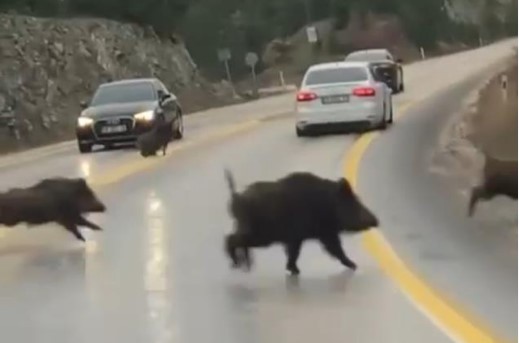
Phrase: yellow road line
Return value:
(454, 322)
(17, 158)
(142, 164)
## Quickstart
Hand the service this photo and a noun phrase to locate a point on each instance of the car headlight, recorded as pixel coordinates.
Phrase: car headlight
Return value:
(84, 121)
(146, 115)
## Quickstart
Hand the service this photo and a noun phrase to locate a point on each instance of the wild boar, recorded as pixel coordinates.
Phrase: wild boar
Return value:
(60, 200)
(499, 177)
(158, 137)
(298, 207)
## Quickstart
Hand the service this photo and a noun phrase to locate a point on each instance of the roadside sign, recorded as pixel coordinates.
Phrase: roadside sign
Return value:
(311, 34)
(251, 59)
(224, 54)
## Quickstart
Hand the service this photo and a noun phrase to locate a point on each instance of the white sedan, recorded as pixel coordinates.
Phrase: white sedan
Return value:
(345, 94)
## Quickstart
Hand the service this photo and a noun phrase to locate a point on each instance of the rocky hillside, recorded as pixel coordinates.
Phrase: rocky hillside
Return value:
(47, 66)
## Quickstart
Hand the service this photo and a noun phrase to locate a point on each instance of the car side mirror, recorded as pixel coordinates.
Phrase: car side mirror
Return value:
(399, 60)
(164, 97)
(83, 104)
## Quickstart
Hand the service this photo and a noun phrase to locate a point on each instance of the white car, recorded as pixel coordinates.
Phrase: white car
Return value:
(345, 94)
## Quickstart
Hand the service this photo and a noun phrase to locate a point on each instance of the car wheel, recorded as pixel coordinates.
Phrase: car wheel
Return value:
(84, 148)
(179, 130)
(383, 123)
(390, 120)
(300, 132)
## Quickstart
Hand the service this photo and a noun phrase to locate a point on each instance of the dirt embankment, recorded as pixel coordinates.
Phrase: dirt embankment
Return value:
(487, 124)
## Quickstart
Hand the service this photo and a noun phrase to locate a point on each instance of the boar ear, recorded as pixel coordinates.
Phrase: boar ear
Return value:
(81, 182)
(344, 186)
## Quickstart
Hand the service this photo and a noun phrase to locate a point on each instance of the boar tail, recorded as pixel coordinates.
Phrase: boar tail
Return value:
(230, 181)
(474, 198)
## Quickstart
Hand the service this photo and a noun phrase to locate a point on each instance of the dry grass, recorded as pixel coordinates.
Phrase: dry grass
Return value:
(488, 124)
(494, 123)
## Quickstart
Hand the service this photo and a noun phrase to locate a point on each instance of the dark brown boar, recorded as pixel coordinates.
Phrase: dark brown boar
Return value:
(301, 206)
(60, 200)
(157, 138)
(499, 177)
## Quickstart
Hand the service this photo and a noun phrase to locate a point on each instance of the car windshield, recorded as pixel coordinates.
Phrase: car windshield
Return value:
(371, 56)
(336, 75)
(135, 92)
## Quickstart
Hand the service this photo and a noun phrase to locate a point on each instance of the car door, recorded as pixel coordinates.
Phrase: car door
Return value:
(382, 88)
(390, 58)
(398, 72)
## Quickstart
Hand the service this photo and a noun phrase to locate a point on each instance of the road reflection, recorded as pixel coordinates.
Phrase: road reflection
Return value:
(85, 168)
(155, 276)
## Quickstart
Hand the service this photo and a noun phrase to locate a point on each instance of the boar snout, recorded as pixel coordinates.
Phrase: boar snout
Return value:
(367, 219)
(98, 206)
(362, 220)
(90, 203)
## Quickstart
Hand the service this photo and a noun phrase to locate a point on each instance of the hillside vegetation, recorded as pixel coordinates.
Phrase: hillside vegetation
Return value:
(249, 25)
(54, 53)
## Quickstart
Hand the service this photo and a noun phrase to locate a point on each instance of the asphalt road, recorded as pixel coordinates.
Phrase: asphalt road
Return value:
(472, 260)
(158, 274)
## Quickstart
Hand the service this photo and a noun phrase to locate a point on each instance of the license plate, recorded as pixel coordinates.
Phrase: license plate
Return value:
(335, 99)
(113, 129)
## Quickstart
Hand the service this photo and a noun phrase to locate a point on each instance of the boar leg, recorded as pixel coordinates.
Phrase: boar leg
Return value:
(332, 244)
(474, 198)
(164, 147)
(72, 228)
(84, 222)
(245, 258)
(292, 250)
(478, 193)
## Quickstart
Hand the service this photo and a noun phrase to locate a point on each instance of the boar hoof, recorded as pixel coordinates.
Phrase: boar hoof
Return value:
(79, 236)
(352, 265)
(293, 271)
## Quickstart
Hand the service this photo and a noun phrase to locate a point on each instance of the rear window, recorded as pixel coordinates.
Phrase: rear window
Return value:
(336, 75)
(372, 56)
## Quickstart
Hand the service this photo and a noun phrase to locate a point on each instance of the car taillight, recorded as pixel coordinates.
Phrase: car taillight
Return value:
(364, 91)
(306, 96)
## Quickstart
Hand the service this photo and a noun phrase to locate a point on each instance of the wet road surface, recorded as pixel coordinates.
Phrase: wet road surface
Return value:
(158, 274)
(474, 261)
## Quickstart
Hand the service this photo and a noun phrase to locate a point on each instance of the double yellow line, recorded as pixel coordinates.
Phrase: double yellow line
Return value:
(453, 321)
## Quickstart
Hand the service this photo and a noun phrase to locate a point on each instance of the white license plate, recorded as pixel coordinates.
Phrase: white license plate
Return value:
(113, 129)
(335, 99)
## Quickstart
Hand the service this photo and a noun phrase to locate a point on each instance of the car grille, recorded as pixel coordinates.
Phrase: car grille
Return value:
(101, 123)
